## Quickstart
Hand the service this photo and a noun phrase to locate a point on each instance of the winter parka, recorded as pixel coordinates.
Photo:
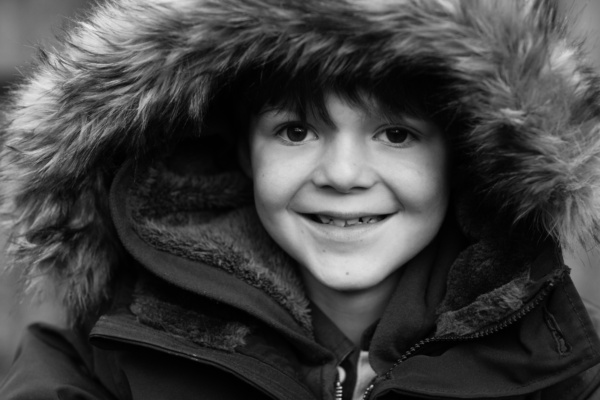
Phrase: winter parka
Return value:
(119, 192)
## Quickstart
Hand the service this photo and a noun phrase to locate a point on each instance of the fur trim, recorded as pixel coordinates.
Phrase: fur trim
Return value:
(139, 74)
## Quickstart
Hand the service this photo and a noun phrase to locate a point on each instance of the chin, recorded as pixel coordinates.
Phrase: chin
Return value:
(349, 278)
(349, 286)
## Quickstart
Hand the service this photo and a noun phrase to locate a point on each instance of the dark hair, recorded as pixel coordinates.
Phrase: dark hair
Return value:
(420, 94)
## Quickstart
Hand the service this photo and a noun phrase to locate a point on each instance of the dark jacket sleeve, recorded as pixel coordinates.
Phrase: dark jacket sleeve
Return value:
(144, 374)
(589, 384)
(585, 386)
(49, 364)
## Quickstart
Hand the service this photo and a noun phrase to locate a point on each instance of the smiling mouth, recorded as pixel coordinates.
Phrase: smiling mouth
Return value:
(343, 223)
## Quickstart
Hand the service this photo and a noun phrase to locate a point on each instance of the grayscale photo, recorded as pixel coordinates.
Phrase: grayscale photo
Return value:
(299, 200)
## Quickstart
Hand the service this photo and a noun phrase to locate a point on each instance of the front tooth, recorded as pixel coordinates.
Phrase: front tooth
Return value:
(351, 222)
(339, 222)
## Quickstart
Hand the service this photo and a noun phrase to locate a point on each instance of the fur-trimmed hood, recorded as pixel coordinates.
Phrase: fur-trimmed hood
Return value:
(139, 75)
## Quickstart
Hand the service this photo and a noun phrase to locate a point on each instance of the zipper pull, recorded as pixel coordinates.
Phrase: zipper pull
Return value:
(341, 377)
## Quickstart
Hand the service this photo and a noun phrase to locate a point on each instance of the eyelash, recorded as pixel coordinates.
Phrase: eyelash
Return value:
(282, 130)
(411, 136)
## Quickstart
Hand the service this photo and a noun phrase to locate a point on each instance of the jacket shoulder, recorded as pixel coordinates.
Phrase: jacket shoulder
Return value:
(49, 364)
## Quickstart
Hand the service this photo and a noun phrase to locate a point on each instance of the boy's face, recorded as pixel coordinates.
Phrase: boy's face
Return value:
(353, 201)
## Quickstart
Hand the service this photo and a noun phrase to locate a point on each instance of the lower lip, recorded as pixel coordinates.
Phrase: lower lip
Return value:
(350, 234)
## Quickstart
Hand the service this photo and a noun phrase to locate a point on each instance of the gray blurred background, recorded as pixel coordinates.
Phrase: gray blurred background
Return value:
(24, 23)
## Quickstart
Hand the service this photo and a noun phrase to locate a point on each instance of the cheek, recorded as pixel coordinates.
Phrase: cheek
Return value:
(273, 181)
(436, 187)
(424, 184)
(278, 172)
(265, 182)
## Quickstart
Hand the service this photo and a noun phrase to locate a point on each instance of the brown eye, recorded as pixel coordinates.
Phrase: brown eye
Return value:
(397, 135)
(296, 133)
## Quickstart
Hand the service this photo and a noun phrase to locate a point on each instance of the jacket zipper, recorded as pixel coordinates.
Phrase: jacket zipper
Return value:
(339, 390)
(541, 295)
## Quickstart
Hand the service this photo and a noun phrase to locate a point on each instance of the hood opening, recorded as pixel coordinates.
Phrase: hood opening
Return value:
(138, 78)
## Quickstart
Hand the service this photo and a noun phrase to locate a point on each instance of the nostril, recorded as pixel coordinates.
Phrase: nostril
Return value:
(343, 177)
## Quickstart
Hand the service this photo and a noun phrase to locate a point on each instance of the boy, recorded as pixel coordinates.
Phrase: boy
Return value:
(300, 201)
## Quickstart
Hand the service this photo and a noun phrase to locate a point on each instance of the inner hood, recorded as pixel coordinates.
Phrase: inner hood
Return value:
(138, 76)
(196, 228)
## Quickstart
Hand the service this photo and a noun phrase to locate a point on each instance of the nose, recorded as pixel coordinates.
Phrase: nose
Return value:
(345, 166)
